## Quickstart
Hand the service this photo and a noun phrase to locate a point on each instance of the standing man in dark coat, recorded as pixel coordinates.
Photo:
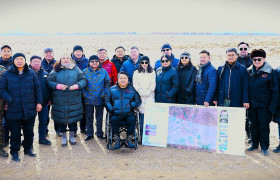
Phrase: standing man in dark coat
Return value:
(6, 58)
(119, 58)
(233, 82)
(166, 49)
(264, 97)
(20, 88)
(243, 56)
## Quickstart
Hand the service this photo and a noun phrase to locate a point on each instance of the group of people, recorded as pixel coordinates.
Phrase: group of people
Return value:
(75, 88)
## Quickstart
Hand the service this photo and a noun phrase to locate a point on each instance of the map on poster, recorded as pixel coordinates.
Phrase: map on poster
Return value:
(212, 129)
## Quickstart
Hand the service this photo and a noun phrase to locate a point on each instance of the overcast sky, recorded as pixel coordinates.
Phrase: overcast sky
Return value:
(81, 16)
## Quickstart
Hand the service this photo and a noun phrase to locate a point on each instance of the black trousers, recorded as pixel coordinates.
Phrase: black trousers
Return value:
(83, 121)
(260, 119)
(28, 134)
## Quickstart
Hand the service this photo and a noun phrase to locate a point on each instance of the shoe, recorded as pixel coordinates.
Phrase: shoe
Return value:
(88, 138)
(6, 144)
(64, 140)
(3, 153)
(58, 134)
(277, 149)
(117, 142)
(30, 153)
(15, 157)
(72, 139)
(100, 137)
(129, 142)
(44, 141)
(265, 152)
(75, 134)
(252, 148)
(83, 131)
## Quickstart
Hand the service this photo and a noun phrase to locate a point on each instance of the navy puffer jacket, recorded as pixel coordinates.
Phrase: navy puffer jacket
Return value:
(21, 92)
(121, 101)
(167, 85)
(81, 63)
(43, 79)
(67, 105)
(7, 63)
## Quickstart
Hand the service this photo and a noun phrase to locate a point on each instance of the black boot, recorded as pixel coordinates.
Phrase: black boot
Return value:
(15, 157)
(3, 153)
(30, 153)
(277, 149)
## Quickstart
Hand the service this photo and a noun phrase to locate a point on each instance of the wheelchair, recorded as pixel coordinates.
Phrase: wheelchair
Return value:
(122, 132)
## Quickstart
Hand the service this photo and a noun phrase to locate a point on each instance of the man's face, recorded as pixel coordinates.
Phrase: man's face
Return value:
(123, 80)
(19, 62)
(78, 54)
(258, 62)
(6, 53)
(36, 64)
(204, 58)
(48, 55)
(243, 50)
(166, 51)
(94, 63)
(120, 53)
(231, 57)
(134, 53)
(102, 55)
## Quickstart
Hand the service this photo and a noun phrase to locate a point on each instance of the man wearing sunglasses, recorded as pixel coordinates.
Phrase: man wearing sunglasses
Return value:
(233, 82)
(243, 56)
(166, 49)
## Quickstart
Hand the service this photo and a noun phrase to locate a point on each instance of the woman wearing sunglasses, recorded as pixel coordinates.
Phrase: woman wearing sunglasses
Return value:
(144, 82)
(167, 81)
(187, 73)
(263, 98)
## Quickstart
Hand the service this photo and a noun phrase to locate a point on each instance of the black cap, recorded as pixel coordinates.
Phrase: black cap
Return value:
(145, 58)
(166, 46)
(35, 57)
(18, 55)
(78, 47)
(93, 57)
(6, 46)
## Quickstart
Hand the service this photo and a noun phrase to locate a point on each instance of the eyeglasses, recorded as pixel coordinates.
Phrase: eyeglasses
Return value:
(257, 59)
(184, 57)
(164, 61)
(94, 61)
(144, 62)
(165, 50)
(245, 49)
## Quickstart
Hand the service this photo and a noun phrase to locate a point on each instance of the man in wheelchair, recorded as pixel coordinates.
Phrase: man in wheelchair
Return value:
(121, 100)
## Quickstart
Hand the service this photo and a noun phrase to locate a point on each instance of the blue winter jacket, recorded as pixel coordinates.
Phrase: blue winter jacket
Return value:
(43, 80)
(167, 85)
(67, 105)
(233, 84)
(129, 67)
(122, 101)
(98, 83)
(174, 62)
(81, 63)
(205, 91)
(6, 64)
(48, 66)
(21, 92)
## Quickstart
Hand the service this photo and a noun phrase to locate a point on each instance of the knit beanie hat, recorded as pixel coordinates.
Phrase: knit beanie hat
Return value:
(93, 57)
(78, 47)
(144, 58)
(18, 55)
(166, 46)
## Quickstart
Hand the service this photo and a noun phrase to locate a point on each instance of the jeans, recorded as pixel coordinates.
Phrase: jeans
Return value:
(28, 133)
(89, 111)
(43, 118)
(130, 122)
(72, 127)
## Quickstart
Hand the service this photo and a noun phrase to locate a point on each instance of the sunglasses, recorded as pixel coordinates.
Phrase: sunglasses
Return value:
(245, 49)
(165, 50)
(144, 62)
(94, 61)
(257, 59)
(164, 61)
(184, 57)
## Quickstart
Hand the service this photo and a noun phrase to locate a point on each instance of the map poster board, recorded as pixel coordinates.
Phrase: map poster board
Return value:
(212, 129)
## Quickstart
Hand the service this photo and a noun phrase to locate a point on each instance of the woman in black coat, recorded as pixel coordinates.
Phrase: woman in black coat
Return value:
(19, 87)
(263, 98)
(187, 73)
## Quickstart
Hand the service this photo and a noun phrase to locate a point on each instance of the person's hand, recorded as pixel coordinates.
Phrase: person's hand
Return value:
(206, 104)
(38, 107)
(74, 87)
(246, 105)
(61, 87)
(215, 103)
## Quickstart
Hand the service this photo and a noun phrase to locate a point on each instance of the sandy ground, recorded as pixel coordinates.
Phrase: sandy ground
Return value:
(91, 160)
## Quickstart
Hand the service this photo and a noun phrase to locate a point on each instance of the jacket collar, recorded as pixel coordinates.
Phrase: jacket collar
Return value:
(266, 68)
(14, 69)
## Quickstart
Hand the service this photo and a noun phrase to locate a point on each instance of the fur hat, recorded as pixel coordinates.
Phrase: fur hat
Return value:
(258, 53)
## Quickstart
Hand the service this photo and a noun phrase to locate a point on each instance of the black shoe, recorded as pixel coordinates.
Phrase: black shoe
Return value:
(30, 153)
(6, 144)
(58, 133)
(252, 148)
(75, 134)
(100, 137)
(3, 153)
(44, 141)
(15, 157)
(83, 131)
(265, 152)
(88, 138)
(277, 149)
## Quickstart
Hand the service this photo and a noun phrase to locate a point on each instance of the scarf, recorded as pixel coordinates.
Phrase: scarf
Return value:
(69, 65)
